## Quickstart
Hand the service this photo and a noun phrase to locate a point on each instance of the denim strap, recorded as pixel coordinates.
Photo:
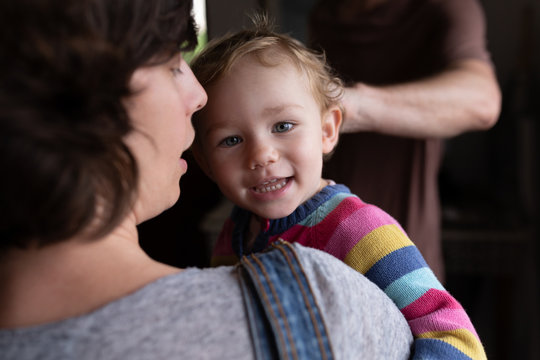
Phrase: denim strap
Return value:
(285, 319)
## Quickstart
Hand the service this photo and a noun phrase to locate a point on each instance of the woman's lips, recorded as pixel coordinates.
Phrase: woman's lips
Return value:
(271, 185)
(183, 165)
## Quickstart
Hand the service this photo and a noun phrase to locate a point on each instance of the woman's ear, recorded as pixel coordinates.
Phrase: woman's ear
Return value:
(331, 124)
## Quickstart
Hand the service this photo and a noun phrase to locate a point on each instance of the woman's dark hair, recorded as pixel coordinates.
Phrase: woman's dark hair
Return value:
(65, 70)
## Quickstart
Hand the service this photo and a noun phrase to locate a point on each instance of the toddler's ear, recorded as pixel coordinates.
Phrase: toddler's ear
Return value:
(331, 123)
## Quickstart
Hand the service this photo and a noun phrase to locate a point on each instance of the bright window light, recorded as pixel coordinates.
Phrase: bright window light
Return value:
(199, 13)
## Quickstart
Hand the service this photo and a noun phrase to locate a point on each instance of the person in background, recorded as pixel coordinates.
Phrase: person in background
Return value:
(272, 115)
(417, 72)
(96, 103)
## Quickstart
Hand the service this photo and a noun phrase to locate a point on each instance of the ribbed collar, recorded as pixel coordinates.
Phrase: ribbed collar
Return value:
(241, 218)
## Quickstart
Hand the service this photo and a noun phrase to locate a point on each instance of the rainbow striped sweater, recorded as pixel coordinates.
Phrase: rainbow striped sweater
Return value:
(372, 242)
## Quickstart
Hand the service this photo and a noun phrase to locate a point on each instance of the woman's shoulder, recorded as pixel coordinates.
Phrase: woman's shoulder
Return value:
(331, 277)
(168, 317)
(176, 314)
(360, 318)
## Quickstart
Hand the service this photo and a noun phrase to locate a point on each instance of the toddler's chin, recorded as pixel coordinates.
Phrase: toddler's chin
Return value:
(275, 214)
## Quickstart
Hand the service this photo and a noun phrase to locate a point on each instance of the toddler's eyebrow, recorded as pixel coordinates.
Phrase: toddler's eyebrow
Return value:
(273, 110)
(215, 127)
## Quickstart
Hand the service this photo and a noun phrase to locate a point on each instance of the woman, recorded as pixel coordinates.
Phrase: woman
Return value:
(96, 104)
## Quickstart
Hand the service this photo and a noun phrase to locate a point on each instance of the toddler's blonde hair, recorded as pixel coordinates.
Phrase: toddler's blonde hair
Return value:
(270, 49)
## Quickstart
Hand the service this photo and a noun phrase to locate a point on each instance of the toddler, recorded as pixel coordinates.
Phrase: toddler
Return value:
(273, 113)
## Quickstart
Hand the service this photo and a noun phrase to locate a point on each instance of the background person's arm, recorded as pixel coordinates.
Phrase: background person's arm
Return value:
(464, 97)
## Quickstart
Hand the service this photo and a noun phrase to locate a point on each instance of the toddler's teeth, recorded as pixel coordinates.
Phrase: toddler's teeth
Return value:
(265, 187)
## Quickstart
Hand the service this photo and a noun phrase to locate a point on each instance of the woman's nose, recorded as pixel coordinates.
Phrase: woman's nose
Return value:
(199, 96)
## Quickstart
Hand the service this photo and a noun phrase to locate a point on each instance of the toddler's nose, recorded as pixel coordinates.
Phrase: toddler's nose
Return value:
(261, 155)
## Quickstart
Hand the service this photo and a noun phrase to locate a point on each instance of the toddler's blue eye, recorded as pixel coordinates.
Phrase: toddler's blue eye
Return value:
(231, 141)
(283, 127)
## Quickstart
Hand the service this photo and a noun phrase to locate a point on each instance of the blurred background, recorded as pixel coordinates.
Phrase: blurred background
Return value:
(488, 183)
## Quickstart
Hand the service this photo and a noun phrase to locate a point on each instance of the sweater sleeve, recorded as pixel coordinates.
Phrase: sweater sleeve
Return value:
(377, 246)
